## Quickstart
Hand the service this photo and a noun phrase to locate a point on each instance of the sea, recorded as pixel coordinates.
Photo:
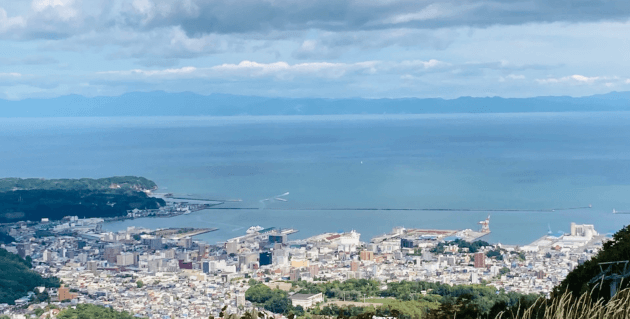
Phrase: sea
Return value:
(532, 173)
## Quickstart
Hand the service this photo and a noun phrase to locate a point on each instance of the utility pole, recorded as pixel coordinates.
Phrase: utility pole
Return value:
(609, 273)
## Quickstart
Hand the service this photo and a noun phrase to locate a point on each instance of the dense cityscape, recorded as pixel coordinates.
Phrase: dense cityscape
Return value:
(165, 273)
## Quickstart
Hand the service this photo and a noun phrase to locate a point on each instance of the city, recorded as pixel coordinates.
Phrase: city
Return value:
(166, 274)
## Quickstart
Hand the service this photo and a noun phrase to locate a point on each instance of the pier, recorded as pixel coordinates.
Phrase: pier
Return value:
(179, 233)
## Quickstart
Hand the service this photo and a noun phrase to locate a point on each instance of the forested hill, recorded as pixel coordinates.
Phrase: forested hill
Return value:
(17, 279)
(122, 182)
(33, 199)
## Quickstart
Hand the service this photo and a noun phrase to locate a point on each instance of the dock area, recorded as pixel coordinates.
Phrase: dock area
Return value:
(178, 233)
(266, 231)
(435, 234)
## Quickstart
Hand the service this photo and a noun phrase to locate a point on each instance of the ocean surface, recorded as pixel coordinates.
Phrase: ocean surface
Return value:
(549, 166)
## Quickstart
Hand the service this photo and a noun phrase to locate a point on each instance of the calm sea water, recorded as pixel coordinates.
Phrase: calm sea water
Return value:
(529, 162)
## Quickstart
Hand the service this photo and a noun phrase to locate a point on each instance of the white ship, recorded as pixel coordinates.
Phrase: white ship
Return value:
(620, 212)
(253, 229)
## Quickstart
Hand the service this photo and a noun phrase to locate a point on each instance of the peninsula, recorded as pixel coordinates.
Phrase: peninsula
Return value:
(33, 199)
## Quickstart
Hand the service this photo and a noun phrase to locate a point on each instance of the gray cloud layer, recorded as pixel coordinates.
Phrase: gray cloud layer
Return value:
(243, 16)
(63, 18)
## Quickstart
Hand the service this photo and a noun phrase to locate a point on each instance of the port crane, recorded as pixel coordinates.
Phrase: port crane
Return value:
(485, 225)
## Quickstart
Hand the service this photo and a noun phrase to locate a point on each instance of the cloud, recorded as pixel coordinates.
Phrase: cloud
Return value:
(573, 79)
(249, 69)
(10, 75)
(64, 18)
(226, 16)
(511, 77)
(8, 23)
(58, 9)
(153, 73)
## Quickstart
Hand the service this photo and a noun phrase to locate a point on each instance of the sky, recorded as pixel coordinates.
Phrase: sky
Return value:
(315, 48)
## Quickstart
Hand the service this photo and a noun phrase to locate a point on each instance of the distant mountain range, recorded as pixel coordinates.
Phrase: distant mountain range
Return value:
(160, 103)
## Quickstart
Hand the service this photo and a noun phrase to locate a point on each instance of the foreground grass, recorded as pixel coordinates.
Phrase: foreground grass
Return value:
(569, 307)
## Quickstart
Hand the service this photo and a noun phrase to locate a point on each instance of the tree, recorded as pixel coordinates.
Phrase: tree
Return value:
(576, 282)
(84, 311)
(139, 283)
(17, 279)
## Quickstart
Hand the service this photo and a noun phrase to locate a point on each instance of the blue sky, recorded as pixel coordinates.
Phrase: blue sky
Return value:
(318, 48)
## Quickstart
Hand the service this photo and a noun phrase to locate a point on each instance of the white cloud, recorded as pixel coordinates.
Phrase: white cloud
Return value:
(511, 77)
(574, 79)
(286, 71)
(7, 23)
(250, 69)
(12, 74)
(432, 11)
(430, 64)
(64, 9)
(154, 73)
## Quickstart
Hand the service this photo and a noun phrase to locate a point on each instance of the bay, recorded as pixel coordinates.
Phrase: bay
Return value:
(535, 162)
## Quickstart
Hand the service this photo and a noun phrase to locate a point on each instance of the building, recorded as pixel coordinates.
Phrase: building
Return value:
(367, 255)
(240, 299)
(354, 265)
(65, 294)
(154, 243)
(313, 270)
(205, 266)
(265, 259)
(587, 231)
(294, 275)
(231, 247)
(406, 243)
(185, 242)
(306, 300)
(24, 249)
(299, 263)
(480, 260)
(277, 238)
(47, 256)
(92, 265)
(111, 253)
(185, 264)
(125, 259)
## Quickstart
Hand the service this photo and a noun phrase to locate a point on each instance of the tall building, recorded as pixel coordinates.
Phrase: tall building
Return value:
(202, 250)
(265, 259)
(354, 265)
(313, 270)
(24, 249)
(367, 255)
(480, 260)
(110, 253)
(185, 242)
(92, 265)
(125, 259)
(205, 266)
(240, 299)
(294, 275)
(406, 243)
(47, 256)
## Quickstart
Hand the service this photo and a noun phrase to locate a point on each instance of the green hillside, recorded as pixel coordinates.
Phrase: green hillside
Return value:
(17, 279)
(123, 182)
